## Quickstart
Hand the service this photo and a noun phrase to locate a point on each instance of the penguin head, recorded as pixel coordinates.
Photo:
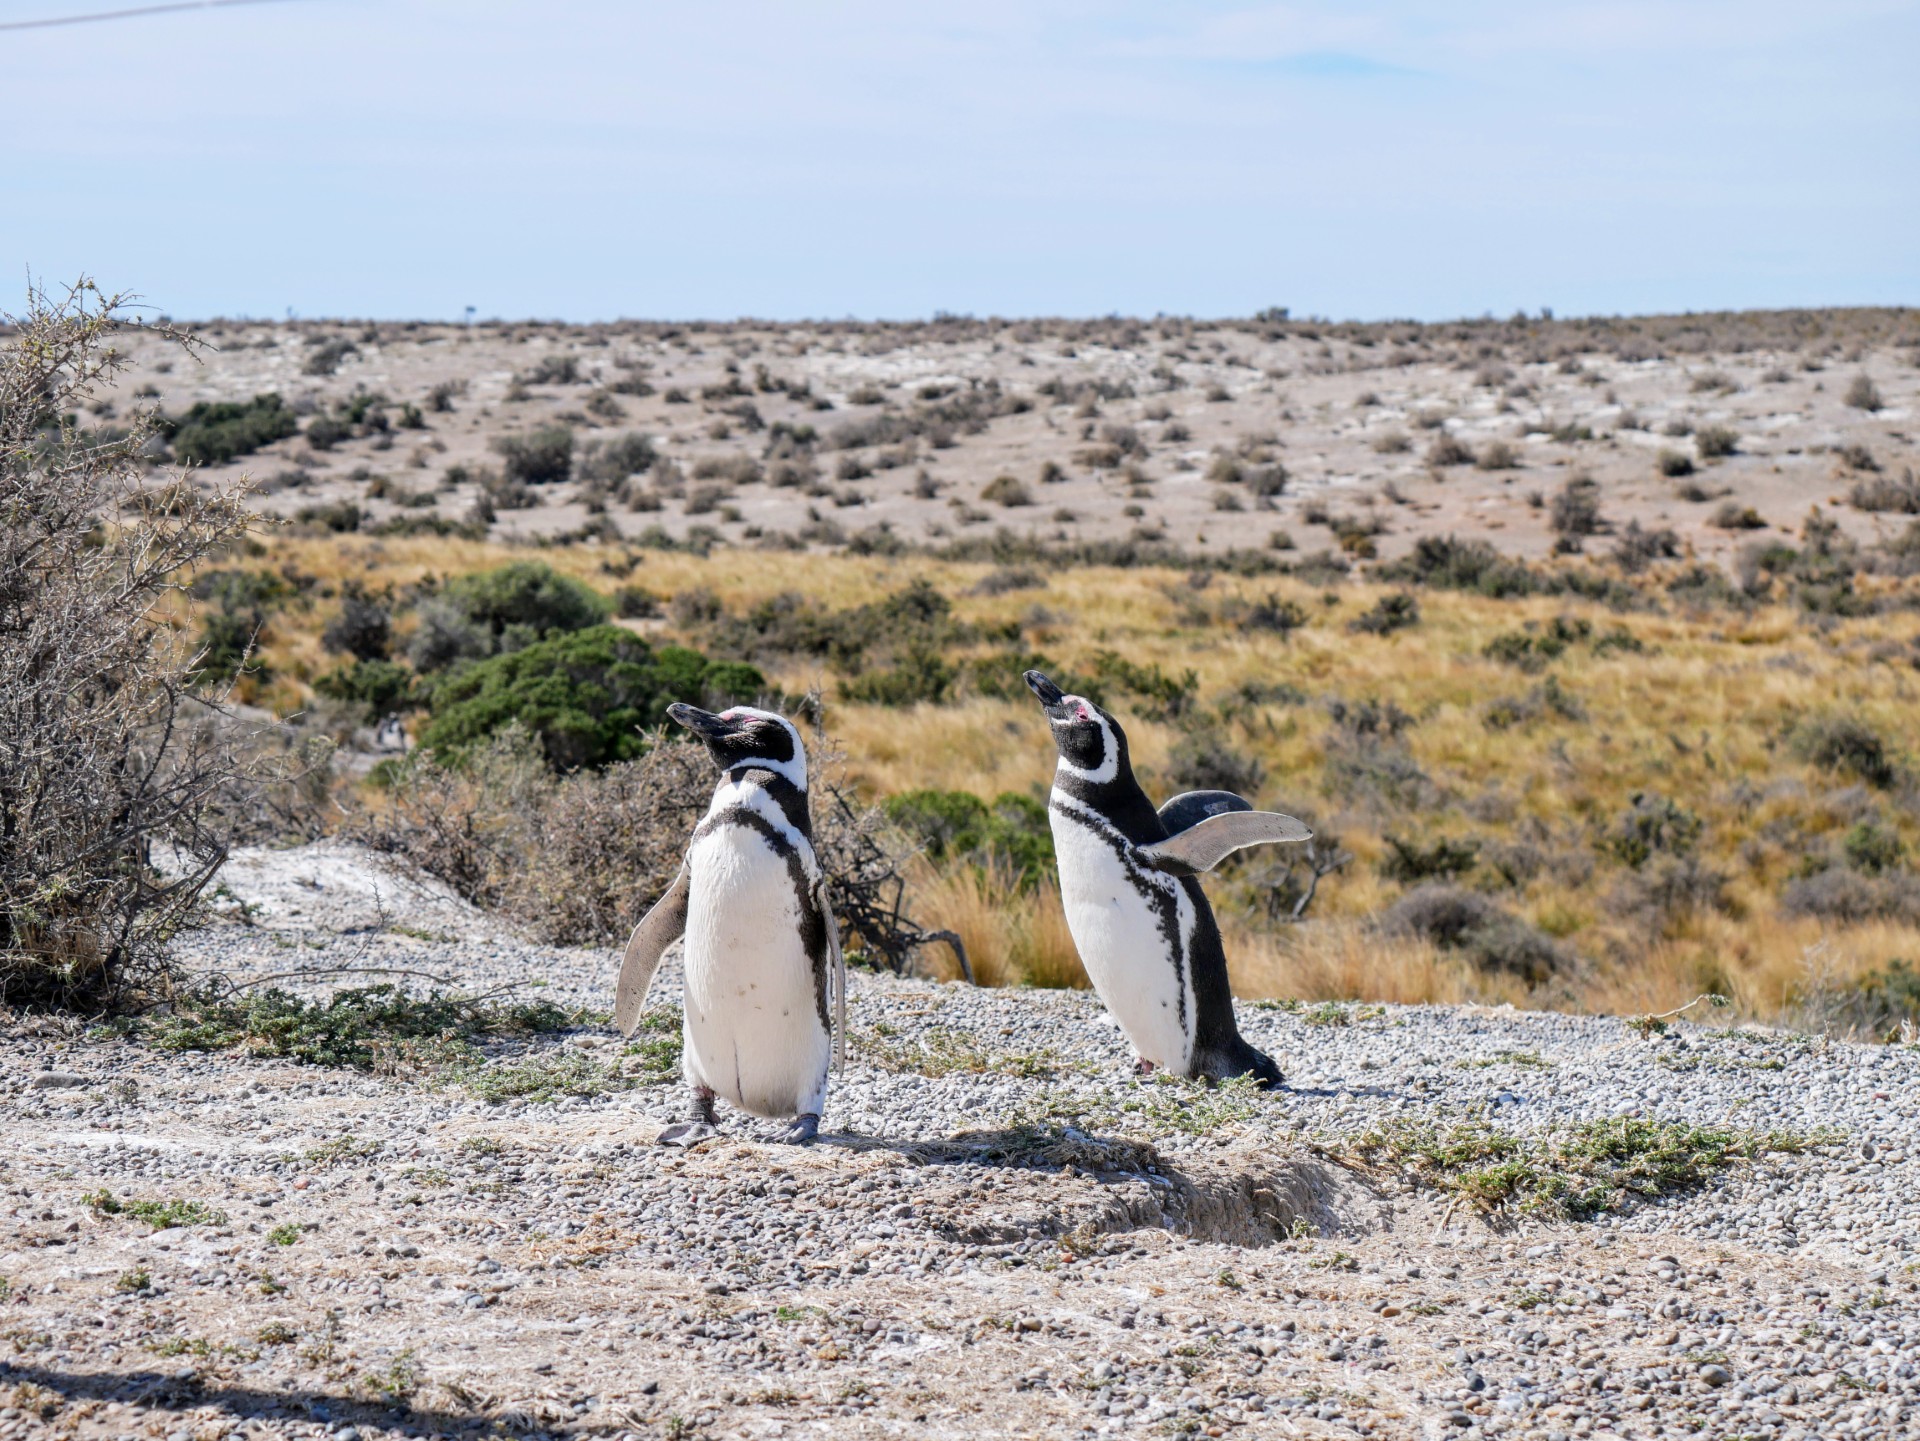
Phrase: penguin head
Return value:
(744, 736)
(1091, 743)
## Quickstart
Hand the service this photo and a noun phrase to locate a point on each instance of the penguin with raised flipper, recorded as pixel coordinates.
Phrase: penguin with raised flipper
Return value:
(1128, 883)
(765, 981)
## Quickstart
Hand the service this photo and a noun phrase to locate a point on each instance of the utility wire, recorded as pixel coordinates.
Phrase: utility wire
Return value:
(125, 14)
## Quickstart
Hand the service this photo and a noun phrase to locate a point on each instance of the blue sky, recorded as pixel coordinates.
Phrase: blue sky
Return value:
(580, 160)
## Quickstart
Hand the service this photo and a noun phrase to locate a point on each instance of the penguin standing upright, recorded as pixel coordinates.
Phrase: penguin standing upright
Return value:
(1139, 919)
(763, 956)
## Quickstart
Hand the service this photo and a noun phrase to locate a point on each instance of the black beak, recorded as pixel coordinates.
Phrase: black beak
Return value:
(702, 722)
(1051, 696)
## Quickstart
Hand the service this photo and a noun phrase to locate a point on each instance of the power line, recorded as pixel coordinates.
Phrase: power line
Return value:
(125, 14)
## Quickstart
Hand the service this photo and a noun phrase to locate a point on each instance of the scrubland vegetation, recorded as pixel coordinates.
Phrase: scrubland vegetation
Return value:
(1590, 790)
(1616, 773)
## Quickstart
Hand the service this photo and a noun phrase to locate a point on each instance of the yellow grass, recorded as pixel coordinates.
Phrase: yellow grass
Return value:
(1012, 937)
(1700, 716)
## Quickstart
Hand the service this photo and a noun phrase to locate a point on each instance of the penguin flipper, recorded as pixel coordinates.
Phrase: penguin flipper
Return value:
(1189, 808)
(1204, 845)
(658, 929)
(823, 898)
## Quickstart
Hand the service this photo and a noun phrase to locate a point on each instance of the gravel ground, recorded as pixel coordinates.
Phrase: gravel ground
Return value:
(1001, 1233)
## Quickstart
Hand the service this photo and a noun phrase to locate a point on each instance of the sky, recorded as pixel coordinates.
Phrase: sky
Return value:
(579, 160)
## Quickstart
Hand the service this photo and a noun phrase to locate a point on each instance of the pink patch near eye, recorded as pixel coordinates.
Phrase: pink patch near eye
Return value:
(1082, 713)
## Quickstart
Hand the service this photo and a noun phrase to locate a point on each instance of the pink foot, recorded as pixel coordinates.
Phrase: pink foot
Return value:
(1144, 1068)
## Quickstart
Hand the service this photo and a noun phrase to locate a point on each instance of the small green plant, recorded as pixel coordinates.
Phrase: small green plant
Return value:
(342, 1148)
(543, 1076)
(276, 1333)
(284, 1235)
(363, 1029)
(940, 1051)
(134, 1281)
(161, 1215)
(1577, 1172)
(395, 1382)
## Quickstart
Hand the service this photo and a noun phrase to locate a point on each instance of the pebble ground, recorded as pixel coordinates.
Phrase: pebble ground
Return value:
(1002, 1232)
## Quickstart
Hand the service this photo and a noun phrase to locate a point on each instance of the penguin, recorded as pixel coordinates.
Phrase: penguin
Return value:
(1128, 883)
(762, 960)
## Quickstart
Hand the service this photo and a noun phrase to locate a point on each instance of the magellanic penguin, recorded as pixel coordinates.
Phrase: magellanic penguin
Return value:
(1139, 919)
(766, 985)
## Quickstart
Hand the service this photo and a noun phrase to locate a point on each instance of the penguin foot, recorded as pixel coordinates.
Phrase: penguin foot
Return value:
(687, 1133)
(803, 1130)
(1144, 1067)
(701, 1109)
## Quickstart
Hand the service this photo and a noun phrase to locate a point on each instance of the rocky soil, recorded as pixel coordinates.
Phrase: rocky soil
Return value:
(1002, 1232)
(1135, 430)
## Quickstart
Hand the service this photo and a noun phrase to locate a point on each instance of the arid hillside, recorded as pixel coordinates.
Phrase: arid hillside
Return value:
(1207, 436)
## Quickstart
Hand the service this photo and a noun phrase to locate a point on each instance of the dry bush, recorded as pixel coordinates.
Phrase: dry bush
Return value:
(107, 755)
(577, 859)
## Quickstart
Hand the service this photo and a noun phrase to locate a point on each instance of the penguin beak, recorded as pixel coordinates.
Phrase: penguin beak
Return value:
(1051, 697)
(703, 723)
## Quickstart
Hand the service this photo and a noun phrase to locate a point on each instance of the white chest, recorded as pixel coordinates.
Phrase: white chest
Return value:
(1133, 928)
(753, 1030)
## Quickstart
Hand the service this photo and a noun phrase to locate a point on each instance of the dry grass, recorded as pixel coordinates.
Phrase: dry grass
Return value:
(1012, 937)
(1699, 714)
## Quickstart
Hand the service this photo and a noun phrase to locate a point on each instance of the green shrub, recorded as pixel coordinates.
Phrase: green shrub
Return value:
(585, 695)
(920, 676)
(215, 432)
(955, 825)
(518, 604)
(357, 1029)
(380, 685)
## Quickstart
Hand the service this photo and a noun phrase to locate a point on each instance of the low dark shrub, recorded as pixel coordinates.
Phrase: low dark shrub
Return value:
(1651, 825)
(1863, 394)
(1407, 860)
(1847, 744)
(1576, 508)
(918, 677)
(540, 457)
(1448, 563)
(1464, 921)
(338, 516)
(215, 432)
(1849, 896)
(1885, 493)
(1873, 848)
(1396, 611)
(1206, 760)
(383, 687)
(1674, 464)
(1714, 442)
(608, 462)
(363, 628)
